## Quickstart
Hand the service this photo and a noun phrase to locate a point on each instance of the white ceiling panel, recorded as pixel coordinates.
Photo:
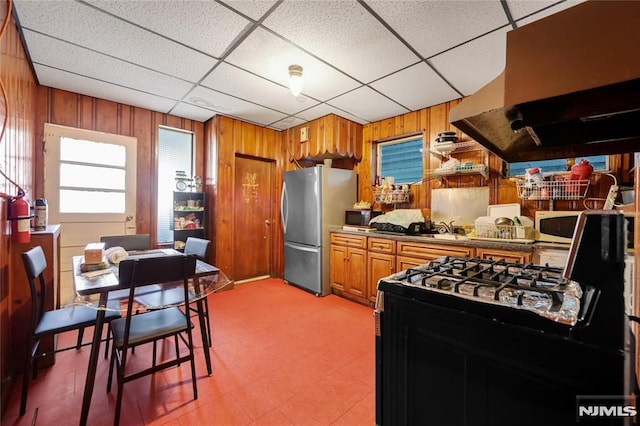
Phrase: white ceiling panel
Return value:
(68, 57)
(368, 104)
(228, 105)
(344, 34)
(85, 26)
(432, 27)
(192, 112)
(254, 9)
(233, 81)
(269, 56)
(86, 86)
(362, 59)
(324, 109)
(416, 87)
(522, 8)
(550, 11)
(201, 21)
(472, 65)
(287, 123)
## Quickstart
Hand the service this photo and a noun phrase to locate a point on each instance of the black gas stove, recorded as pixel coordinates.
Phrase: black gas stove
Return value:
(470, 341)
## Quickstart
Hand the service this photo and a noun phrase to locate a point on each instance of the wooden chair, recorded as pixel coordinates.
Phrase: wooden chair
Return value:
(151, 326)
(46, 323)
(194, 246)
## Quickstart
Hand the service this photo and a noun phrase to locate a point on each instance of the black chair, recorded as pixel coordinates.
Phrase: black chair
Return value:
(47, 323)
(151, 326)
(194, 246)
(134, 242)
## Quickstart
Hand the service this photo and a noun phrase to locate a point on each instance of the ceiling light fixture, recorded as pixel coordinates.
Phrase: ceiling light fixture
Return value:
(295, 79)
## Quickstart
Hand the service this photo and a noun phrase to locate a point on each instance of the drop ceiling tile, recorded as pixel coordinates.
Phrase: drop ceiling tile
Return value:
(196, 24)
(269, 56)
(472, 65)
(523, 8)
(432, 27)
(192, 112)
(227, 105)
(86, 86)
(254, 9)
(287, 123)
(68, 57)
(323, 109)
(344, 34)
(85, 26)
(416, 87)
(368, 104)
(236, 82)
(543, 13)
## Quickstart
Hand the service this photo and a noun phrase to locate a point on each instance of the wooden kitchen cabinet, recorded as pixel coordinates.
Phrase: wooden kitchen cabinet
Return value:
(508, 255)
(49, 240)
(381, 262)
(330, 136)
(411, 254)
(348, 266)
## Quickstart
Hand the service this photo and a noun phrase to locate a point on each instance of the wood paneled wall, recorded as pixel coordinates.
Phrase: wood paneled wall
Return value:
(226, 138)
(433, 120)
(84, 112)
(16, 161)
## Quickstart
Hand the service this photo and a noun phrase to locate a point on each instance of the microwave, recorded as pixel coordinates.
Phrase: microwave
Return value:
(559, 226)
(359, 217)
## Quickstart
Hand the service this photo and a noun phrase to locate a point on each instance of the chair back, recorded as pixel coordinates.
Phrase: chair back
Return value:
(155, 270)
(197, 246)
(127, 242)
(34, 264)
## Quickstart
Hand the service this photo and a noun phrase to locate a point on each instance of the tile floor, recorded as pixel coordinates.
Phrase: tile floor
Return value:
(280, 356)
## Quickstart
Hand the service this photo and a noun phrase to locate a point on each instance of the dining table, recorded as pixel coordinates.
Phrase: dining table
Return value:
(92, 288)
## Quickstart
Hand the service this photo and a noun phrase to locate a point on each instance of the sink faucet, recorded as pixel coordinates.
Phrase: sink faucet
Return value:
(448, 227)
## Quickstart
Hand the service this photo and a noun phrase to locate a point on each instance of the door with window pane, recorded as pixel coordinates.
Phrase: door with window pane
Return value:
(90, 187)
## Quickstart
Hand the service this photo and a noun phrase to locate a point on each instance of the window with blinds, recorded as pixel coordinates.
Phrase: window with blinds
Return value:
(401, 159)
(175, 152)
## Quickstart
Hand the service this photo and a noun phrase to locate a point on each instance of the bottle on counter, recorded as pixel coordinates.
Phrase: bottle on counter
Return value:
(41, 214)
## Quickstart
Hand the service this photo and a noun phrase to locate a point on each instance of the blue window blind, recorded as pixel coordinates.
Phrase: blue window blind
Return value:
(401, 160)
(599, 162)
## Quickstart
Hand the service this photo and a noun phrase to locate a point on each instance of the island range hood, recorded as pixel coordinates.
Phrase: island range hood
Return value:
(570, 87)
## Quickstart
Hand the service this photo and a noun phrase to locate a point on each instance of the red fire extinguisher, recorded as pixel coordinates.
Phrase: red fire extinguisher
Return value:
(20, 219)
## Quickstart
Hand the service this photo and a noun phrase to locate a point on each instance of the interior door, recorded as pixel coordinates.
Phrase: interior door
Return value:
(252, 251)
(90, 188)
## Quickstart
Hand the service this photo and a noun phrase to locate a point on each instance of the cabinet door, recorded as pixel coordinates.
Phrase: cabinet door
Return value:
(338, 272)
(507, 255)
(379, 265)
(356, 272)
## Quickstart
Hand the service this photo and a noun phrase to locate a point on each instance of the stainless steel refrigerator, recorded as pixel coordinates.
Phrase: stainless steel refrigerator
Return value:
(313, 202)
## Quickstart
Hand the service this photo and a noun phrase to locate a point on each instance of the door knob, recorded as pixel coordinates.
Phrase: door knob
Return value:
(267, 222)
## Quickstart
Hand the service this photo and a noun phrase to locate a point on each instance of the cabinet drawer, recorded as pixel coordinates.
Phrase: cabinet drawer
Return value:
(432, 251)
(349, 240)
(382, 245)
(507, 255)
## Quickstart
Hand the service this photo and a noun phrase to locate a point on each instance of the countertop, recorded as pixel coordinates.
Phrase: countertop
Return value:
(464, 242)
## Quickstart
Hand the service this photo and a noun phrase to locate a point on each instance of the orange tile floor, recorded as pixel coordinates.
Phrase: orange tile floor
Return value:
(280, 355)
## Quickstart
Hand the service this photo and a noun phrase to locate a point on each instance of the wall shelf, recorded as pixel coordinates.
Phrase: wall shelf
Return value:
(454, 167)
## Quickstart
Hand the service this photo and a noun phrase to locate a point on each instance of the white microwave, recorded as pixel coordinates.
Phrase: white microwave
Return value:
(555, 226)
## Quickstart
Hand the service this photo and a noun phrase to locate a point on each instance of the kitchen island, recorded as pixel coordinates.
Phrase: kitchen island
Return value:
(360, 259)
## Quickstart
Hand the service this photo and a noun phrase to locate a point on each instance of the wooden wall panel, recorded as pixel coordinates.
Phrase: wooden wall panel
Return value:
(16, 161)
(226, 138)
(434, 120)
(84, 112)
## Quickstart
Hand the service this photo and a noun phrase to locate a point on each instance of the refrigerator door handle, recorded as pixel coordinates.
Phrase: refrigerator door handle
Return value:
(283, 214)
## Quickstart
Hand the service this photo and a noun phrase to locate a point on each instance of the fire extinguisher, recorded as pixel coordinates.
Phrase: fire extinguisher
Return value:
(20, 218)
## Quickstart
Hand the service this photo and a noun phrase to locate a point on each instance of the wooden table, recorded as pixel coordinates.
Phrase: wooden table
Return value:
(101, 285)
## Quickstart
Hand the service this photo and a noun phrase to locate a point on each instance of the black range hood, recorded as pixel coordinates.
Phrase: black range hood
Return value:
(570, 88)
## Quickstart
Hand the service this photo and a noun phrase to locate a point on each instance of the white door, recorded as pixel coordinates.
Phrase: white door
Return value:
(90, 188)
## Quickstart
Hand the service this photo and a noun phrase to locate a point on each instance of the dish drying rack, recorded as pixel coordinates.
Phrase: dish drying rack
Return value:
(553, 190)
(517, 233)
(392, 195)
